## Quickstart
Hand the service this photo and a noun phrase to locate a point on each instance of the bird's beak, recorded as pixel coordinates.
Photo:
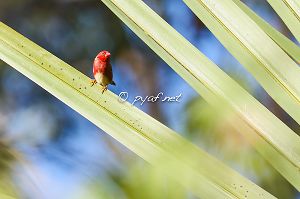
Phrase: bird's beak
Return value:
(107, 55)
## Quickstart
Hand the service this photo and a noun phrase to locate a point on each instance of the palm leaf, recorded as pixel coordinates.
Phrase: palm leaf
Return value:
(271, 137)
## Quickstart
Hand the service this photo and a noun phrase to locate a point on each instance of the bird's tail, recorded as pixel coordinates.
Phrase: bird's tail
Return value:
(113, 83)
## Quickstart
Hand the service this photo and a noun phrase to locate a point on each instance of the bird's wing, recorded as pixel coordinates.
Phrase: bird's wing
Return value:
(108, 72)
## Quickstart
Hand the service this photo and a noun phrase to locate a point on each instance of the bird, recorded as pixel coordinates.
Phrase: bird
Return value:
(102, 70)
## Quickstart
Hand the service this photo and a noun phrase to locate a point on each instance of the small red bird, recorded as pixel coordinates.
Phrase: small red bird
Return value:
(102, 70)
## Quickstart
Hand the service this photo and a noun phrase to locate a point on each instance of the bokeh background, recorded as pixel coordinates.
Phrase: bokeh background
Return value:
(49, 151)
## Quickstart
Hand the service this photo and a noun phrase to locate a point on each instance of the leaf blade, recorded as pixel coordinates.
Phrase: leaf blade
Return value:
(242, 37)
(287, 45)
(289, 12)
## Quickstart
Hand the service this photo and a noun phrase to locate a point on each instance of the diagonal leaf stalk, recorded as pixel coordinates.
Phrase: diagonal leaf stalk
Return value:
(289, 12)
(205, 176)
(287, 45)
(7, 190)
(243, 38)
(4, 196)
(272, 138)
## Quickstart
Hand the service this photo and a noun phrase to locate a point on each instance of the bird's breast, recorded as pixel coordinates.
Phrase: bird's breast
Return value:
(101, 79)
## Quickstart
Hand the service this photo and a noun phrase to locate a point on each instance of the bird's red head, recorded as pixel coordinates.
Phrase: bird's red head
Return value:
(103, 56)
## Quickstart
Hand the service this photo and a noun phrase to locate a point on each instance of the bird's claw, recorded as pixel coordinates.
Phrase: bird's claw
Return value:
(93, 82)
(104, 89)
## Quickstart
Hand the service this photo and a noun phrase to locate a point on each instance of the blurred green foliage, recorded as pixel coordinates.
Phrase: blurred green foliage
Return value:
(213, 129)
(7, 159)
